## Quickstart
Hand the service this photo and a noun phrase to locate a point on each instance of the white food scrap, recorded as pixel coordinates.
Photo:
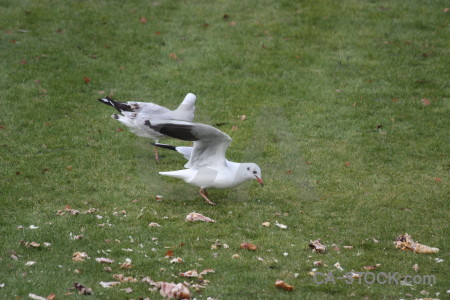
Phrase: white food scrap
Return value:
(109, 284)
(282, 226)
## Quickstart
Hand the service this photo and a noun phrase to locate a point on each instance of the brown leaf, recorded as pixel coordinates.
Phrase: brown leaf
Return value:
(206, 271)
(79, 256)
(193, 216)
(368, 268)
(52, 296)
(405, 242)
(125, 265)
(172, 290)
(283, 285)
(86, 79)
(226, 16)
(169, 253)
(316, 246)
(143, 20)
(122, 278)
(157, 32)
(347, 164)
(437, 179)
(426, 102)
(82, 290)
(248, 246)
(172, 56)
(190, 273)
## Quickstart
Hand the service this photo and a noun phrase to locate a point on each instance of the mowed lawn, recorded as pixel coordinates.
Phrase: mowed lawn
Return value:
(343, 104)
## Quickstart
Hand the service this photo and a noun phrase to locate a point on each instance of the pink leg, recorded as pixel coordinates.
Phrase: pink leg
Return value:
(205, 195)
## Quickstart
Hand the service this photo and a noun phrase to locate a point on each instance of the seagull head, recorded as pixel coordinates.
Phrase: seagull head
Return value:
(253, 171)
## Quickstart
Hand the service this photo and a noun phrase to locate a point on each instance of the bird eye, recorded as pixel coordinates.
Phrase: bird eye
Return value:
(248, 168)
(254, 172)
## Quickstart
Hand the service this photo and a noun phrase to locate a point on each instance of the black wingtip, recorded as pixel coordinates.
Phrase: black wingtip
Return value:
(119, 106)
(165, 146)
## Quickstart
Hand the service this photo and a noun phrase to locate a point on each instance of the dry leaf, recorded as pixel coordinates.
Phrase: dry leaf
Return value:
(122, 278)
(126, 265)
(153, 224)
(193, 216)
(104, 260)
(283, 285)
(86, 79)
(372, 267)
(338, 266)
(266, 224)
(169, 253)
(426, 102)
(52, 296)
(79, 256)
(109, 284)
(405, 242)
(82, 290)
(415, 267)
(235, 256)
(190, 273)
(316, 246)
(348, 247)
(318, 263)
(143, 20)
(177, 260)
(243, 117)
(30, 244)
(248, 246)
(172, 56)
(206, 271)
(30, 263)
(170, 289)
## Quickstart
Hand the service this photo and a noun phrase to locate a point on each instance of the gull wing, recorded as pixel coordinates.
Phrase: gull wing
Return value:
(210, 144)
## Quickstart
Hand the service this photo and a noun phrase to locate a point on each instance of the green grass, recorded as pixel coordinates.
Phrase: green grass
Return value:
(322, 83)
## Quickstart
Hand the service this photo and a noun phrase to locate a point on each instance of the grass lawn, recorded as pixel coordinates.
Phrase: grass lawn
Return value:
(347, 114)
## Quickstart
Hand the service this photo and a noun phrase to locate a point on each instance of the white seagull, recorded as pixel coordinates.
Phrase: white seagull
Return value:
(207, 166)
(133, 114)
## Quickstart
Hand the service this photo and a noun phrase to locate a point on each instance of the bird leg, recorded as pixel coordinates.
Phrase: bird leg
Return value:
(156, 154)
(205, 196)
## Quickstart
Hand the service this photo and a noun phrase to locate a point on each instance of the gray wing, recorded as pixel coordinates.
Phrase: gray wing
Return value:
(210, 144)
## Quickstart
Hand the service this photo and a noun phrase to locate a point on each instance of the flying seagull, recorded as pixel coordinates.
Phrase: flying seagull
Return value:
(207, 166)
(133, 114)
